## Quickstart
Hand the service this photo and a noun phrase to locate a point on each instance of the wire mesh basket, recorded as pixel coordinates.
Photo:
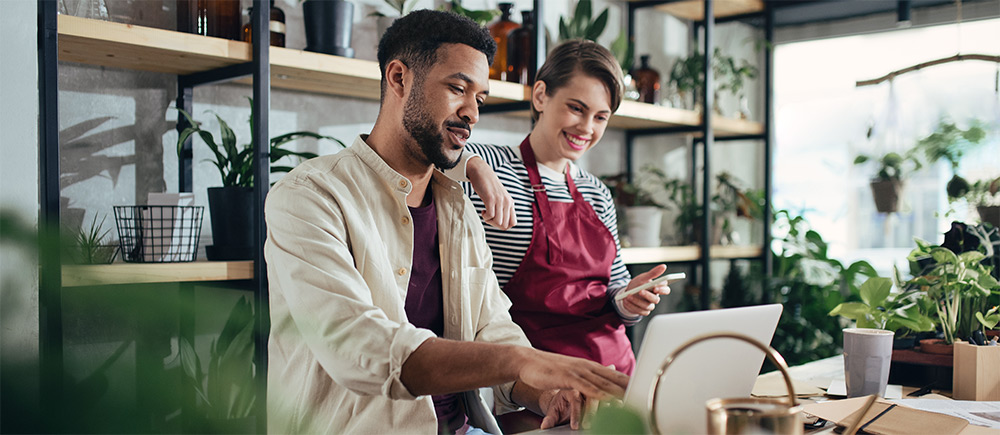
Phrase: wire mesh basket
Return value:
(158, 233)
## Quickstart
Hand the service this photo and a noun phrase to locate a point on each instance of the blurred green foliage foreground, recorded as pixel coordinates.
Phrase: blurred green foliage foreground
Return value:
(135, 358)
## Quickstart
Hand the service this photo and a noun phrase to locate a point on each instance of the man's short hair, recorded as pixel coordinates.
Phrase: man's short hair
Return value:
(415, 38)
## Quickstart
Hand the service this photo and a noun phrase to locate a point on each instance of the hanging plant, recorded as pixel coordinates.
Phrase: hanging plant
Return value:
(950, 143)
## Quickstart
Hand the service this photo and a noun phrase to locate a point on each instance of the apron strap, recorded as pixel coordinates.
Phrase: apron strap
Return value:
(542, 200)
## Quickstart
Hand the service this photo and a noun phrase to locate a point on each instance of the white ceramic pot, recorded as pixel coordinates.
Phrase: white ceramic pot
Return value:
(643, 224)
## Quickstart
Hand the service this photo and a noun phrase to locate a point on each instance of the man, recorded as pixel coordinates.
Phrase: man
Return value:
(385, 312)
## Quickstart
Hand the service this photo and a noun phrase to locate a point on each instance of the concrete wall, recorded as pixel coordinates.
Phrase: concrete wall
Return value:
(19, 199)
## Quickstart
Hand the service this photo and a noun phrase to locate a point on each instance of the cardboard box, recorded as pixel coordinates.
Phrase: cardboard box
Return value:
(976, 372)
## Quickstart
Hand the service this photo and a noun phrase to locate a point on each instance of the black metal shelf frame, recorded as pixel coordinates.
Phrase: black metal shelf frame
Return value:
(50, 275)
(708, 139)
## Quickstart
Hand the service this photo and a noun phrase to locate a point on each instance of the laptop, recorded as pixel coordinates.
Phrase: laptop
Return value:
(717, 368)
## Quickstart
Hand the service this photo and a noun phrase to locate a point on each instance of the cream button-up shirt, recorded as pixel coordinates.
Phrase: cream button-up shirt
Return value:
(339, 250)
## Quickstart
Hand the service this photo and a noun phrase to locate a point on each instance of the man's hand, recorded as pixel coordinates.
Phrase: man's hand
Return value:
(560, 405)
(643, 302)
(499, 204)
(549, 371)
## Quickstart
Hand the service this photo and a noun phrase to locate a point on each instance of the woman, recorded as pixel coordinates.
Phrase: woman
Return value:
(560, 262)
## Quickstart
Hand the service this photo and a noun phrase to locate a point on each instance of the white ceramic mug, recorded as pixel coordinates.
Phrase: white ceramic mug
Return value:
(867, 354)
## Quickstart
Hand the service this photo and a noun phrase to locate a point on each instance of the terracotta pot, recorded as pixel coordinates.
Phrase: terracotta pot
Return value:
(886, 194)
(936, 346)
(993, 332)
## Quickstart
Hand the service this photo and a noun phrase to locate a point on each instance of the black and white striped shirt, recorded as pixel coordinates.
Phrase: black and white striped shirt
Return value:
(509, 247)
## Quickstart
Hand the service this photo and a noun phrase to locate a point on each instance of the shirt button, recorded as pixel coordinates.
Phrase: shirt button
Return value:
(406, 220)
(402, 271)
(453, 274)
(402, 183)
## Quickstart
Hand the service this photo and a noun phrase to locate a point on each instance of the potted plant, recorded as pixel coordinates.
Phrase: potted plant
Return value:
(989, 320)
(88, 245)
(903, 312)
(984, 195)
(731, 200)
(887, 184)
(231, 205)
(399, 9)
(957, 284)
(580, 26)
(481, 17)
(949, 142)
(643, 214)
(328, 26)
(687, 77)
(226, 391)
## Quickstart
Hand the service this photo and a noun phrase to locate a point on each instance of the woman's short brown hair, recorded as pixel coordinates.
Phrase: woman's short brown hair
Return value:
(587, 57)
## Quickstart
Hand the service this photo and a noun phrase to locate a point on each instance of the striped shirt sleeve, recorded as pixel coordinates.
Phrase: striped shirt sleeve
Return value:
(509, 247)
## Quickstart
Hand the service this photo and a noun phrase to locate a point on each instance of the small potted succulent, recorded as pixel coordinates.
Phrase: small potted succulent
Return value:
(887, 184)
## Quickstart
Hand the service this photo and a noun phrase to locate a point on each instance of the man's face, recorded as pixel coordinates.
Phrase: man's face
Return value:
(444, 104)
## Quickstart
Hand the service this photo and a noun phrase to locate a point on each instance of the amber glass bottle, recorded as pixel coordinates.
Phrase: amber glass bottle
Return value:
(648, 81)
(520, 50)
(500, 31)
(219, 18)
(277, 26)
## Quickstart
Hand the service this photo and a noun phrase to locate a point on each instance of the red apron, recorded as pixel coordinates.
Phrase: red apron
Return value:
(559, 292)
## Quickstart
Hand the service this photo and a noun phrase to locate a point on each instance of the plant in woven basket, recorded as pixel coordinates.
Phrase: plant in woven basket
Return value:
(235, 162)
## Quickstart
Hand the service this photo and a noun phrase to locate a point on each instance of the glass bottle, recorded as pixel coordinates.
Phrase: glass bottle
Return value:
(276, 25)
(520, 51)
(219, 18)
(647, 81)
(500, 31)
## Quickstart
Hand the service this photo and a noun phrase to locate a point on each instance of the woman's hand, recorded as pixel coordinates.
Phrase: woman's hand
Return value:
(643, 302)
(499, 204)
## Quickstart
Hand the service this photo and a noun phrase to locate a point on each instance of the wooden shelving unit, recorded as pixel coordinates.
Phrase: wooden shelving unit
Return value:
(684, 254)
(694, 10)
(146, 273)
(115, 45)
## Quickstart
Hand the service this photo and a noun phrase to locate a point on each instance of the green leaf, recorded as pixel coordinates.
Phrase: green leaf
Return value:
(851, 310)
(971, 257)
(597, 27)
(563, 30)
(944, 255)
(875, 291)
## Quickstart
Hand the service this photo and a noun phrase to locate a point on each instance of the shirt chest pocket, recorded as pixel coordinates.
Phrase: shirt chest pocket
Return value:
(475, 284)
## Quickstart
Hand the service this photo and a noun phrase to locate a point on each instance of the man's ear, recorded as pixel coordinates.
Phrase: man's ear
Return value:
(538, 96)
(395, 74)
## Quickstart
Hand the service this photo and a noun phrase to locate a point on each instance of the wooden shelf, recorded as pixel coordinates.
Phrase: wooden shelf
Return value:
(683, 254)
(144, 273)
(116, 45)
(694, 10)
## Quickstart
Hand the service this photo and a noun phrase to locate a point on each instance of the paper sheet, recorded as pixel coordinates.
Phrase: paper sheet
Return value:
(166, 236)
(978, 413)
(839, 388)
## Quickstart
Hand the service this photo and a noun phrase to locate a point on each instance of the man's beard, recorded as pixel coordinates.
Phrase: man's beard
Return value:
(421, 127)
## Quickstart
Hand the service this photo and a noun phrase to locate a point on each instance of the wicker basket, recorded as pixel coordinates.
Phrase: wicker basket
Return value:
(158, 233)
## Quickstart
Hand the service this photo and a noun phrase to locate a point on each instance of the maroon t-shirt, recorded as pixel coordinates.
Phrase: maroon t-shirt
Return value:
(424, 302)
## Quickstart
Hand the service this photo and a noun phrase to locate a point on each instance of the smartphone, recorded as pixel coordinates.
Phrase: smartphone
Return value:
(669, 278)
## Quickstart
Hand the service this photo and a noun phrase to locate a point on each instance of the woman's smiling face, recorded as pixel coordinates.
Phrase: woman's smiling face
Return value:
(570, 121)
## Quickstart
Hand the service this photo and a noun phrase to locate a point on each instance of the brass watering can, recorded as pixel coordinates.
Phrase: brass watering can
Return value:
(741, 415)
